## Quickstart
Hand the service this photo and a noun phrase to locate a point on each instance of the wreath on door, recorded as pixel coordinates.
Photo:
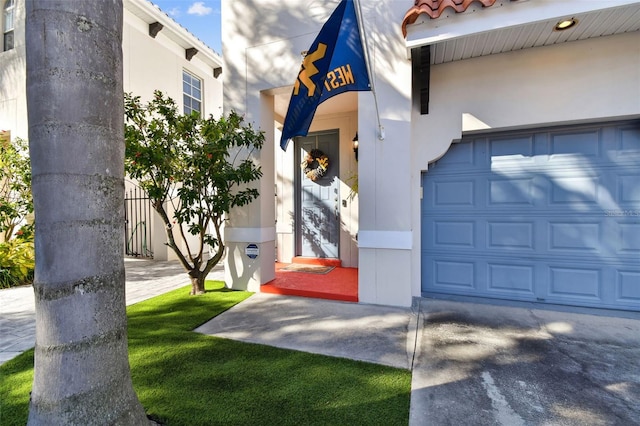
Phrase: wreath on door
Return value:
(315, 164)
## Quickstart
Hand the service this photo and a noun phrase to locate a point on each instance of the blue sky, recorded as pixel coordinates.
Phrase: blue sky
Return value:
(200, 17)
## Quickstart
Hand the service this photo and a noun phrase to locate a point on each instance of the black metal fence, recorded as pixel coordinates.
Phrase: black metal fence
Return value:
(137, 216)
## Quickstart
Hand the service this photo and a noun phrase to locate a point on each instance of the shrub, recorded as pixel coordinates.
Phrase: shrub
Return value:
(17, 262)
(16, 203)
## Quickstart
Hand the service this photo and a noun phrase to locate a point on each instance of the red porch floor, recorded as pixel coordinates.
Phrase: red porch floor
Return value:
(338, 284)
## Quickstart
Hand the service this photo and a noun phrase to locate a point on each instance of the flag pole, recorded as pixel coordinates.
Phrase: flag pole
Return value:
(363, 40)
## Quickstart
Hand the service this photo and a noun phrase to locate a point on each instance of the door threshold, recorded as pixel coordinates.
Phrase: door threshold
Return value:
(322, 261)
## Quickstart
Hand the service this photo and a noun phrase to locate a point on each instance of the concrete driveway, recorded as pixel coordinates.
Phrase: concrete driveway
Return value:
(496, 365)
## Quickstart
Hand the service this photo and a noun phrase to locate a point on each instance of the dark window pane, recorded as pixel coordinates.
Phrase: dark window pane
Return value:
(8, 41)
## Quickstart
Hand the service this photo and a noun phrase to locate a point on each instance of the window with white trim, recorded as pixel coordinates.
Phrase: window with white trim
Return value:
(8, 13)
(191, 92)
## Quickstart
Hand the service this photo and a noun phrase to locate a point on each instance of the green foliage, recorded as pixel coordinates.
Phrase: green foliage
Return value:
(17, 262)
(186, 378)
(16, 203)
(202, 167)
(352, 181)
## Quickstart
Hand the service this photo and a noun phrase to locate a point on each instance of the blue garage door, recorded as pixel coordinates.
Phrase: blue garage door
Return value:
(549, 216)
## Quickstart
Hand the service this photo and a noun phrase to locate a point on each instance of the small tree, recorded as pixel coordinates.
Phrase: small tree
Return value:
(16, 206)
(16, 202)
(199, 167)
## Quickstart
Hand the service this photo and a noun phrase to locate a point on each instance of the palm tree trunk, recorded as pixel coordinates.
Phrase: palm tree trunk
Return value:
(75, 111)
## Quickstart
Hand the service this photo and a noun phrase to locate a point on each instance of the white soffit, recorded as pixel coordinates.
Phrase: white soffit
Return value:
(509, 25)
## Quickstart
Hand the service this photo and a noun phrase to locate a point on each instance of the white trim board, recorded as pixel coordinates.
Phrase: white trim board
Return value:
(252, 235)
(395, 240)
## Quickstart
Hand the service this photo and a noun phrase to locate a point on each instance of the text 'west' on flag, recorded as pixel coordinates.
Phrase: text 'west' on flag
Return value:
(334, 64)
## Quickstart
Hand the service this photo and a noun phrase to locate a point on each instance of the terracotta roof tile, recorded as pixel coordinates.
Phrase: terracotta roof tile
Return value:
(434, 9)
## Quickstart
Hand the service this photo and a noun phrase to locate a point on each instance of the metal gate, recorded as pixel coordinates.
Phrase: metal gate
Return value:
(137, 216)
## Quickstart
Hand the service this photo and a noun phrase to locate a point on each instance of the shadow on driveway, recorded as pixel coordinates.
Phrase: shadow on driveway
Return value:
(497, 365)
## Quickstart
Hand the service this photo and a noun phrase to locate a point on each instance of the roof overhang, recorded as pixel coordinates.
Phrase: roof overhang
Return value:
(531, 21)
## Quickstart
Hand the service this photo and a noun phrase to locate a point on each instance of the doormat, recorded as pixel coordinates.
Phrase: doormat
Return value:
(312, 269)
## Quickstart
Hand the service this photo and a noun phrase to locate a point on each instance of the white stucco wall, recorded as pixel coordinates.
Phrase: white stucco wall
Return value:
(148, 64)
(157, 64)
(385, 238)
(13, 79)
(245, 25)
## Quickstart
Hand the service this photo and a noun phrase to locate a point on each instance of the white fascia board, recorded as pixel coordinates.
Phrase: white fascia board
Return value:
(505, 14)
(173, 30)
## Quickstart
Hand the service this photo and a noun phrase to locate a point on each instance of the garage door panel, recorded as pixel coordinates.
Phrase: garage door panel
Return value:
(511, 278)
(574, 283)
(454, 274)
(454, 234)
(628, 189)
(628, 148)
(509, 235)
(456, 193)
(572, 146)
(629, 238)
(575, 190)
(575, 237)
(549, 216)
(515, 151)
(628, 287)
(505, 191)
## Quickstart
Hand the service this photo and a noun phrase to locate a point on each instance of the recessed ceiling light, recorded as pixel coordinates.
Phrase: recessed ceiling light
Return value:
(565, 24)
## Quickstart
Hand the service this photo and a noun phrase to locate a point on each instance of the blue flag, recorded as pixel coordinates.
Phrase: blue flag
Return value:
(334, 64)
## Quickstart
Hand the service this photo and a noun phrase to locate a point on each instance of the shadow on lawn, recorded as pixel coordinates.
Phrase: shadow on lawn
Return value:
(183, 377)
(202, 380)
(177, 311)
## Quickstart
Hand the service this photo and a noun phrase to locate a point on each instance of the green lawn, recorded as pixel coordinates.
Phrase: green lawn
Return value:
(185, 378)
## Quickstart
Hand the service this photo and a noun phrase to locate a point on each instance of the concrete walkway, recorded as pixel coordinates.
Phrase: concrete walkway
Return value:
(471, 363)
(379, 334)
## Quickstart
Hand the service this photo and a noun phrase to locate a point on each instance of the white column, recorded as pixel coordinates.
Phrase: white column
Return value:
(385, 238)
(250, 232)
